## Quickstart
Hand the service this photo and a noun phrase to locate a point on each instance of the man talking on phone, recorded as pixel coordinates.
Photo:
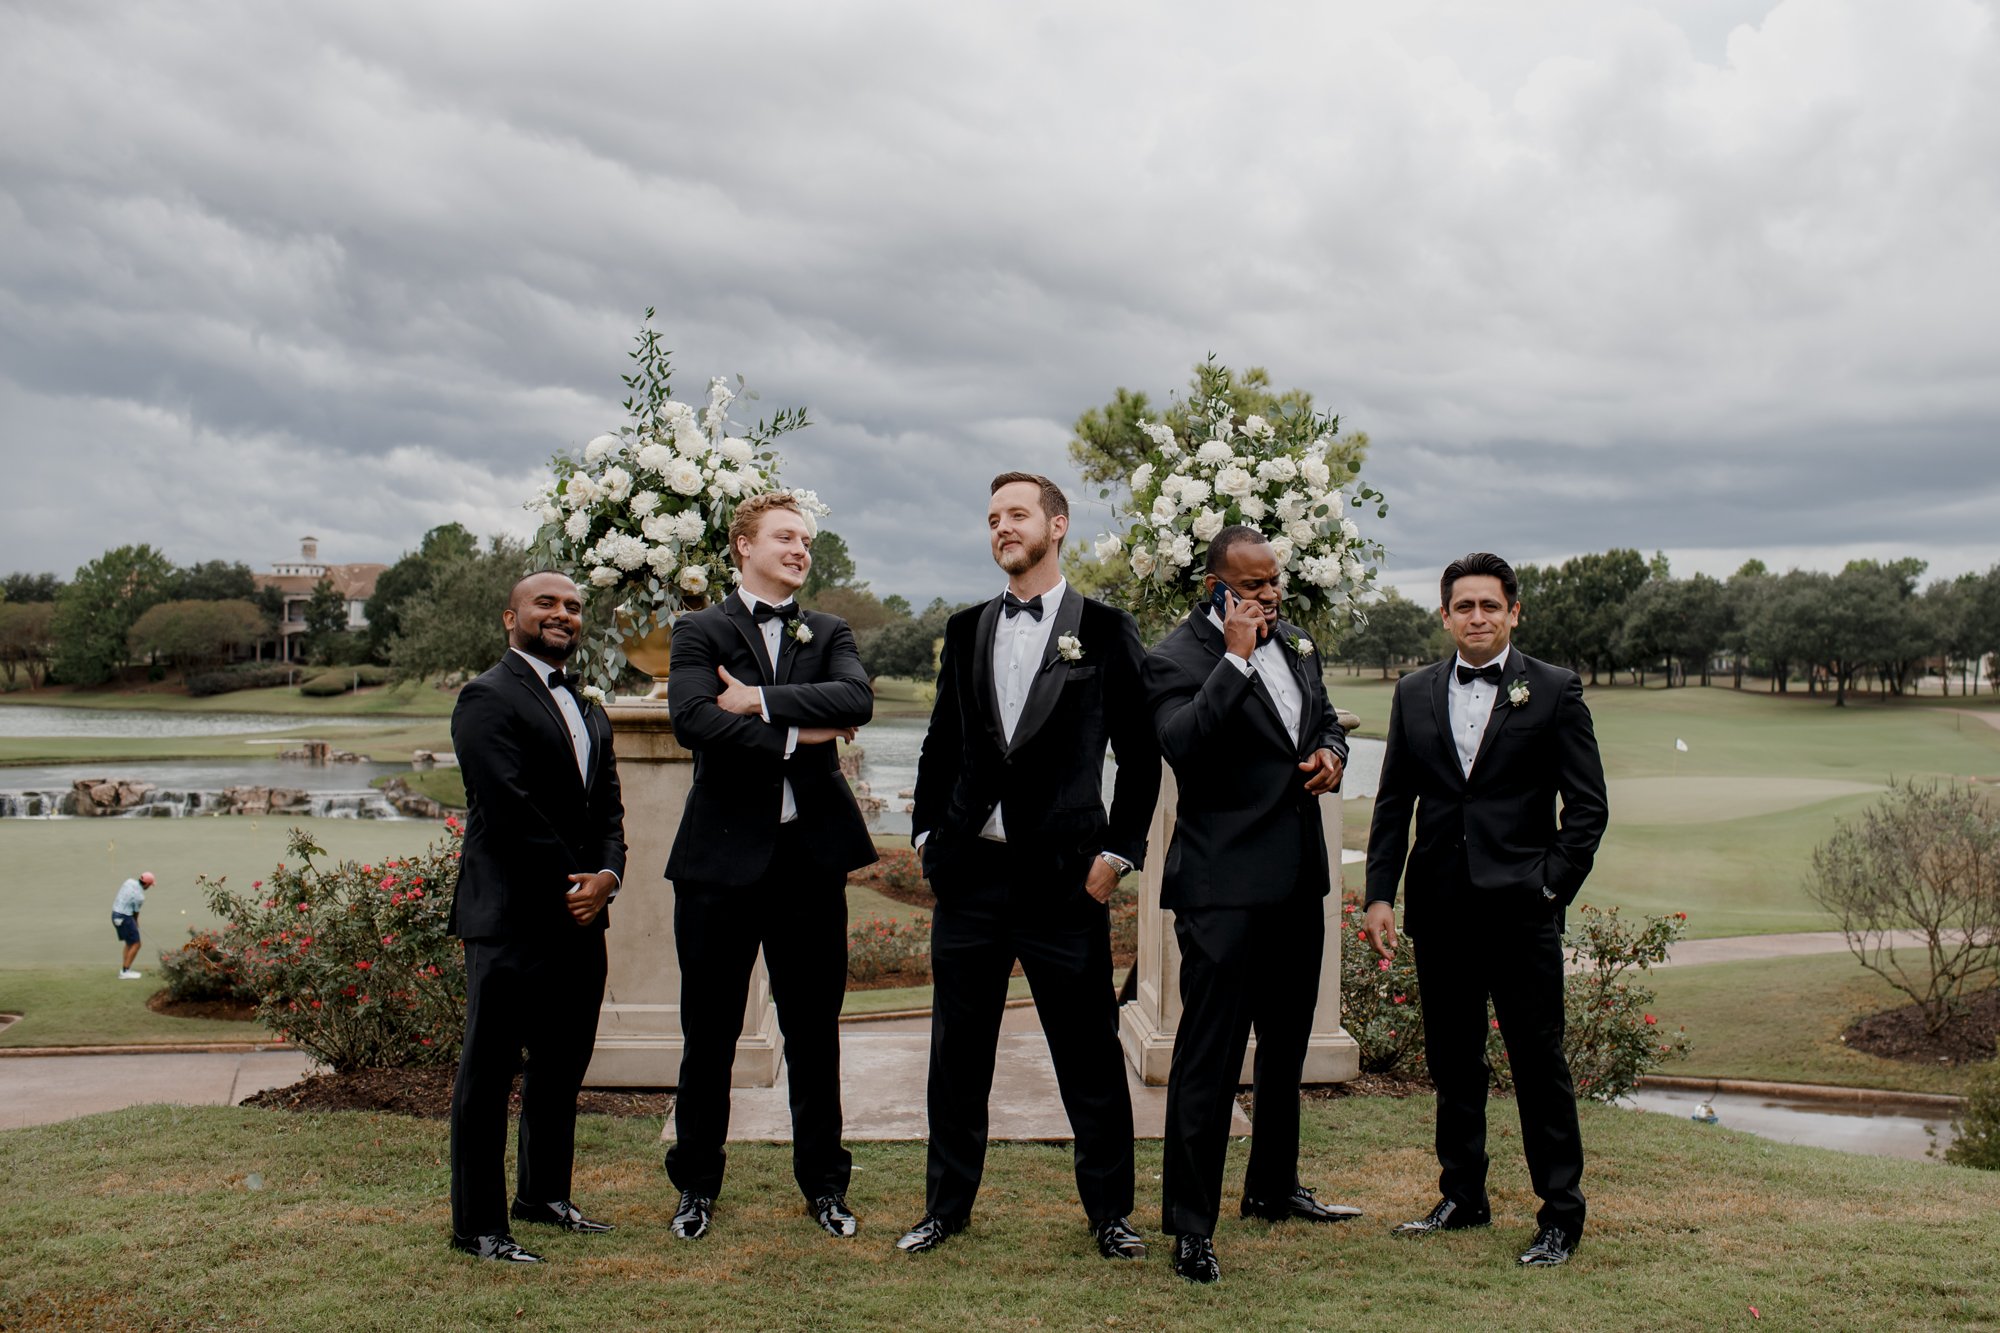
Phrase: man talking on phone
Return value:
(1243, 718)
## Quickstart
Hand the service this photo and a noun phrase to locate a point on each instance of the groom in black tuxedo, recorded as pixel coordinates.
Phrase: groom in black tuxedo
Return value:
(1012, 830)
(1481, 747)
(760, 690)
(1243, 717)
(544, 847)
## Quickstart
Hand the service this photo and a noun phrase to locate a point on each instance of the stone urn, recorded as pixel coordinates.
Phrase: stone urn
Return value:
(652, 652)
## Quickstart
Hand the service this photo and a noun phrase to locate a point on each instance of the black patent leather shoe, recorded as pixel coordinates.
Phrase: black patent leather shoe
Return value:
(1447, 1216)
(1552, 1246)
(1194, 1259)
(832, 1214)
(692, 1216)
(499, 1247)
(930, 1232)
(563, 1214)
(1117, 1240)
(1300, 1204)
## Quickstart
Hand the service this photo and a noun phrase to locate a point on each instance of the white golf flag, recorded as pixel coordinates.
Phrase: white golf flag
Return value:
(1680, 745)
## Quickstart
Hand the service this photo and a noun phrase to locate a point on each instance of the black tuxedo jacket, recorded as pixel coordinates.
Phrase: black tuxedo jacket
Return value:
(1050, 779)
(729, 826)
(1495, 834)
(1245, 819)
(530, 820)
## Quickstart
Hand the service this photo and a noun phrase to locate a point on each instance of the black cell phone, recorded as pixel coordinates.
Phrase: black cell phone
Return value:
(1219, 599)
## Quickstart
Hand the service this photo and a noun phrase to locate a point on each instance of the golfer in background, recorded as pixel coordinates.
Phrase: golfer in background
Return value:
(125, 919)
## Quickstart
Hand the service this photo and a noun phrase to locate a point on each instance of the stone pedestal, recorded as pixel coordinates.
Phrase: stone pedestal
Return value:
(1147, 1024)
(639, 1028)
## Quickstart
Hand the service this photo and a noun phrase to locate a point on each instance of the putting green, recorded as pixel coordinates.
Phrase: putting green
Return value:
(1708, 800)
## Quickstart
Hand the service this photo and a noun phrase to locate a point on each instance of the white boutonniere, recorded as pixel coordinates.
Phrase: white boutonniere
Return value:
(1069, 648)
(801, 632)
(591, 695)
(1517, 693)
(1302, 645)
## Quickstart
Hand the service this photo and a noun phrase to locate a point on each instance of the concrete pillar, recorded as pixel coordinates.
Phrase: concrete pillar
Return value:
(1148, 1023)
(639, 1028)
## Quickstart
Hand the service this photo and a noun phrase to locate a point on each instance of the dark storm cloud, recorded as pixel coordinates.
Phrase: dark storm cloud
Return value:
(1717, 282)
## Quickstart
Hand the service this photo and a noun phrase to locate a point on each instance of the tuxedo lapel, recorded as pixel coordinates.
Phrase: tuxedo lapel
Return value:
(1502, 710)
(1053, 671)
(1440, 693)
(539, 690)
(753, 638)
(1310, 719)
(789, 647)
(982, 672)
(1211, 638)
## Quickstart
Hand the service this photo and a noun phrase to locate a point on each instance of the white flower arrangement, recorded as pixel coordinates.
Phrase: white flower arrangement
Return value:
(1517, 693)
(1069, 648)
(642, 516)
(1270, 474)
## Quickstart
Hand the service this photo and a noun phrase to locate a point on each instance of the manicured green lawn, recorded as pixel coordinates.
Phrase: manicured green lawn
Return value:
(446, 786)
(387, 742)
(407, 700)
(90, 1006)
(1781, 1019)
(176, 1217)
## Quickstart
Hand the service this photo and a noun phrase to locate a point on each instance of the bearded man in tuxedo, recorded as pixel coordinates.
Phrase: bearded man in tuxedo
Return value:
(1015, 841)
(544, 849)
(760, 690)
(1482, 747)
(1243, 717)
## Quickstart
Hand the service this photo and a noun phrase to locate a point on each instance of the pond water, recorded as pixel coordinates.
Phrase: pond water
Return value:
(889, 765)
(1877, 1130)
(41, 720)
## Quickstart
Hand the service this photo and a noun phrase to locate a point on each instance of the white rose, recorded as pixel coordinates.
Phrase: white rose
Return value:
(1281, 547)
(689, 442)
(1316, 473)
(1257, 428)
(1335, 502)
(1276, 469)
(1322, 570)
(662, 560)
(656, 458)
(1215, 451)
(1182, 552)
(1107, 547)
(1252, 508)
(600, 448)
(550, 513)
(731, 483)
(1301, 532)
(1142, 477)
(660, 528)
(581, 491)
(1348, 529)
(737, 451)
(694, 579)
(604, 576)
(1206, 524)
(684, 477)
(810, 504)
(1353, 569)
(1164, 509)
(1142, 561)
(645, 502)
(592, 693)
(617, 483)
(1193, 492)
(577, 525)
(1234, 481)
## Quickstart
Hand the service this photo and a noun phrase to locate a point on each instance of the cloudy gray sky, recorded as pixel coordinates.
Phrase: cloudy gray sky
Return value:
(1714, 277)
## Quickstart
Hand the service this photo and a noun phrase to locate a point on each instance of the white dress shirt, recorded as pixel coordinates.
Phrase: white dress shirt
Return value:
(1469, 707)
(572, 714)
(1019, 641)
(773, 631)
(1268, 660)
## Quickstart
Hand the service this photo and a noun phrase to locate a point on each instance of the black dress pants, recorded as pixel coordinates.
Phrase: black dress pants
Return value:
(798, 914)
(1473, 952)
(996, 911)
(1241, 968)
(542, 993)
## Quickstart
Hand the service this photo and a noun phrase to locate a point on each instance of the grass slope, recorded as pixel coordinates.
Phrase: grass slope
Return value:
(147, 1218)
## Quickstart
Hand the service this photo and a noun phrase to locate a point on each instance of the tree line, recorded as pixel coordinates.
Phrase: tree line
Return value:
(1871, 624)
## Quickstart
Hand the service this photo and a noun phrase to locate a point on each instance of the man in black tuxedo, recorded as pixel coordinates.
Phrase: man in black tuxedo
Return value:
(1481, 747)
(1011, 826)
(544, 848)
(760, 690)
(1242, 715)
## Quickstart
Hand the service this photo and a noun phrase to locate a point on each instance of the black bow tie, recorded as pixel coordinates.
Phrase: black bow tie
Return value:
(765, 611)
(1490, 673)
(565, 680)
(1014, 606)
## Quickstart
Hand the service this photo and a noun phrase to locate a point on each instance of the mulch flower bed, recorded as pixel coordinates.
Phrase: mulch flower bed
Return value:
(232, 1011)
(1898, 1034)
(426, 1094)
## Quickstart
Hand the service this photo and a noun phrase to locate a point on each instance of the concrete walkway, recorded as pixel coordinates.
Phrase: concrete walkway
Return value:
(1748, 948)
(42, 1089)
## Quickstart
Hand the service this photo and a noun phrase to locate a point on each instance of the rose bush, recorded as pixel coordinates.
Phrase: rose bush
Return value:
(205, 968)
(1379, 1001)
(879, 946)
(350, 961)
